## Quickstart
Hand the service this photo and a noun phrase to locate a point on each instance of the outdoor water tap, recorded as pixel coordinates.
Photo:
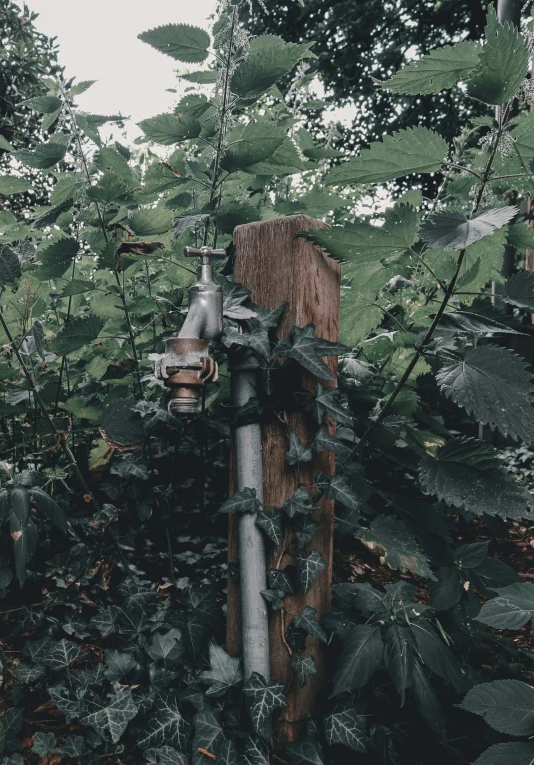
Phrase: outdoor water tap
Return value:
(186, 367)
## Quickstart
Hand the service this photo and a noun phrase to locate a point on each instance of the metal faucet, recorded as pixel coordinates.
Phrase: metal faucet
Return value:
(186, 367)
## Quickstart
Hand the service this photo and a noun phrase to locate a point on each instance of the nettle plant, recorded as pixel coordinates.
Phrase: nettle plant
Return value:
(116, 507)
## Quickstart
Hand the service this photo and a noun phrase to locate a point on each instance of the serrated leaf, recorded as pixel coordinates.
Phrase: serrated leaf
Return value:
(506, 705)
(150, 221)
(519, 290)
(503, 63)
(308, 350)
(224, 673)
(465, 321)
(44, 104)
(121, 425)
(263, 698)
(494, 385)
(305, 668)
(440, 69)
(466, 473)
(511, 609)
(251, 144)
(180, 41)
(396, 545)
(10, 266)
(446, 591)
(78, 333)
(43, 157)
(109, 159)
(297, 452)
(168, 129)
(272, 523)
(360, 656)
(307, 620)
(113, 718)
(11, 184)
(166, 725)
(346, 727)
(309, 565)
(416, 150)
(451, 230)
(244, 501)
(56, 257)
(507, 754)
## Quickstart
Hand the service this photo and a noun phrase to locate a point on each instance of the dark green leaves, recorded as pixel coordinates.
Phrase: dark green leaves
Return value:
(506, 705)
(308, 350)
(297, 452)
(168, 129)
(416, 150)
(307, 620)
(309, 565)
(396, 545)
(111, 719)
(361, 655)
(252, 144)
(166, 725)
(503, 63)
(263, 698)
(441, 68)
(346, 727)
(44, 156)
(467, 474)
(519, 290)
(511, 609)
(244, 501)
(494, 385)
(224, 673)
(10, 184)
(180, 41)
(507, 754)
(10, 267)
(450, 230)
(78, 333)
(56, 258)
(272, 523)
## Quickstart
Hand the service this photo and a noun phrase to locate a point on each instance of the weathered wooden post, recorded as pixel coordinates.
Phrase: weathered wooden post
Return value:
(278, 266)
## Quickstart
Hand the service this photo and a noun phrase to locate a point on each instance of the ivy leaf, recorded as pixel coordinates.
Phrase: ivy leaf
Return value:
(309, 565)
(305, 752)
(361, 655)
(519, 290)
(255, 751)
(263, 698)
(105, 621)
(25, 674)
(282, 579)
(244, 501)
(224, 673)
(78, 333)
(307, 620)
(61, 654)
(503, 63)
(451, 230)
(346, 727)
(10, 266)
(416, 150)
(511, 609)
(506, 705)
(494, 385)
(275, 597)
(270, 58)
(339, 490)
(396, 545)
(166, 725)
(308, 350)
(66, 700)
(297, 452)
(305, 529)
(328, 403)
(398, 656)
(44, 156)
(507, 754)
(468, 474)
(299, 502)
(208, 735)
(305, 668)
(43, 743)
(74, 746)
(56, 258)
(179, 41)
(446, 591)
(441, 69)
(272, 523)
(325, 441)
(113, 718)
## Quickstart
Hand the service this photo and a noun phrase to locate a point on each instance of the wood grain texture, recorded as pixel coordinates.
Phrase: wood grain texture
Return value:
(278, 266)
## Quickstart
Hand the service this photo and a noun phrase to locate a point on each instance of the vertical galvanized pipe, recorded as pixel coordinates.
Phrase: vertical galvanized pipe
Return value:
(252, 561)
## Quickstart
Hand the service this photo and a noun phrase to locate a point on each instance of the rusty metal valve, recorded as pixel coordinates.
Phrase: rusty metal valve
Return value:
(185, 368)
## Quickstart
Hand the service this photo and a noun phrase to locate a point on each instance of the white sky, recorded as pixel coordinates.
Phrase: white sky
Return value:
(98, 41)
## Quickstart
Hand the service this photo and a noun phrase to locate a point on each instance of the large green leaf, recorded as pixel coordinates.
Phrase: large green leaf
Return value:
(519, 290)
(507, 754)
(150, 221)
(10, 266)
(180, 41)
(269, 59)
(398, 656)
(361, 655)
(441, 68)
(467, 474)
(56, 257)
(511, 609)
(250, 144)
(109, 159)
(435, 654)
(446, 591)
(208, 735)
(506, 705)
(113, 718)
(308, 350)
(244, 501)
(262, 699)
(309, 565)
(77, 333)
(224, 673)
(450, 230)
(494, 385)
(10, 184)
(61, 654)
(397, 547)
(166, 725)
(168, 129)
(503, 63)
(308, 751)
(346, 727)
(44, 156)
(44, 104)
(307, 620)
(416, 150)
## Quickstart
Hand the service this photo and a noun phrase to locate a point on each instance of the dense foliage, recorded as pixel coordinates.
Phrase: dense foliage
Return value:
(112, 563)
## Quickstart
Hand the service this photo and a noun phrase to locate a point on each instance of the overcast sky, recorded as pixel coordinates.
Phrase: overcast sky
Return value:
(98, 41)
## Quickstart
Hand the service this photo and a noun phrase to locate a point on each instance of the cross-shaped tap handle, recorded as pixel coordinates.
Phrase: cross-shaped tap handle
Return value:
(204, 253)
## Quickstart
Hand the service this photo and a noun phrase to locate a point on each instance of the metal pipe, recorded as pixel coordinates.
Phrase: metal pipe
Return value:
(509, 10)
(252, 562)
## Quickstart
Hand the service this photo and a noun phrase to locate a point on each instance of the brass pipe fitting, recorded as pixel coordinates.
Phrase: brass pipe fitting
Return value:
(186, 368)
